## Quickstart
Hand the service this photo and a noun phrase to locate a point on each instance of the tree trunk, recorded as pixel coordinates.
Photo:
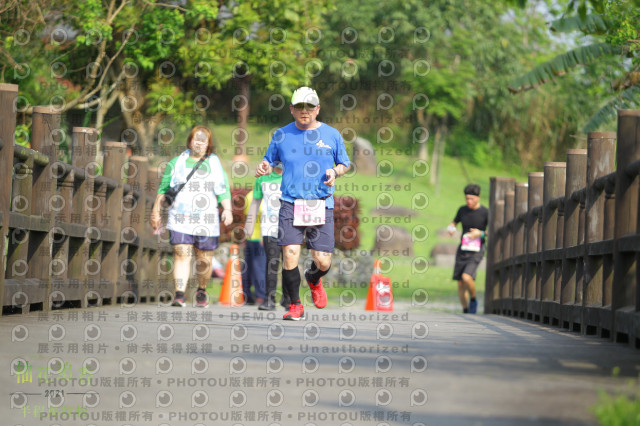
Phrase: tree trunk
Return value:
(438, 153)
(423, 147)
(435, 164)
(244, 89)
(141, 127)
(443, 142)
(105, 105)
(423, 153)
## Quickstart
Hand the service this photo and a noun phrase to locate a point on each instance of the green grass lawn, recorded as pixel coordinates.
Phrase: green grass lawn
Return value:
(402, 185)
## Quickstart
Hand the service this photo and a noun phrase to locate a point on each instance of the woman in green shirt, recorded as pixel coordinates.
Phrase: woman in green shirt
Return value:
(193, 222)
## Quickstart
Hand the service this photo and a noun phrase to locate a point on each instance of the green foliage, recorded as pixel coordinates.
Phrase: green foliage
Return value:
(268, 42)
(199, 12)
(590, 24)
(625, 28)
(411, 50)
(449, 89)
(23, 135)
(183, 53)
(25, 59)
(610, 80)
(533, 127)
(470, 148)
(627, 99)
(160, 31)
(562, 64)
(89, 18)
(456, 53)
(621, 409)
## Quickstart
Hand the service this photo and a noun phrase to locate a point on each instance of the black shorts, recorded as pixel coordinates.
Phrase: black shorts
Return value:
(320, 238)
(467, 263)
(198, 241)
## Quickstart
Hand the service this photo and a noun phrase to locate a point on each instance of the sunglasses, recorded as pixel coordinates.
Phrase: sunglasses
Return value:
(307, 107)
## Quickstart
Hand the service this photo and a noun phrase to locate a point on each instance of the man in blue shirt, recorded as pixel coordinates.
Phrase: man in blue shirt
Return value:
(313, 156)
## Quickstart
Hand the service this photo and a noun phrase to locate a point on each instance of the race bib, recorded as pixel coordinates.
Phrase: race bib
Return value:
(470, 244)
(308, 212)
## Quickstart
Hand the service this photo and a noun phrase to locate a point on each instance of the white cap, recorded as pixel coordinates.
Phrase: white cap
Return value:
(305, 95)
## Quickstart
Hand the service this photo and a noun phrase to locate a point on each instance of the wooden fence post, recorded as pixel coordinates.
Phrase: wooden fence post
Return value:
(579, 268)
(83, 155)
(21, 288)
(554, 185)
(598, 260)
(532, 270)
(60, 290)
(8, 95)
(114, 156)
(138, 170)
(163, 264)
(155, 254)
(497, 256)
(519, 247)
(624, 304)
(126, 291)
(60, 224)
(498, 189)
(46, 136)
(506, 283)
(572, 268)
(608, 265)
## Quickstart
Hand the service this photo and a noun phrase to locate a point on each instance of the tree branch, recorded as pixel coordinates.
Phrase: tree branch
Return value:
(118, 10)
(630, 79)
(9, 7)
(126, 114)
(88, 91)
(85, 96)
(111, 99)
(10, 59)
(99, 99)
(170, 6)
(112, 4)
(104, 107)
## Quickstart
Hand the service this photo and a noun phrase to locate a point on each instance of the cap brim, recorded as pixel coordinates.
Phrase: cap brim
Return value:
(315, 104)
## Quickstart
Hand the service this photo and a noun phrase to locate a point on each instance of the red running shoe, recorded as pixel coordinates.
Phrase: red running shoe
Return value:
(295, 313)
(318, 294)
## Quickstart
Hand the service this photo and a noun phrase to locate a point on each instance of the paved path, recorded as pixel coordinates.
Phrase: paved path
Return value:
(150, 365)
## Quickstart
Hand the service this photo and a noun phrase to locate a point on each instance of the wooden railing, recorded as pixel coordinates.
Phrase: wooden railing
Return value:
(74, 237)
(564, 246)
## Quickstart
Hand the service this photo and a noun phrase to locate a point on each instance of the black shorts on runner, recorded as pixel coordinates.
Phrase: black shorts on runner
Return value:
(200, 242)
(320, 238)
(467, 263)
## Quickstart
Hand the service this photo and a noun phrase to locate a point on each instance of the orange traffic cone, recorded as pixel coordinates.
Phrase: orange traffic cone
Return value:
(370, 305)
(231, 292)
(380, 296)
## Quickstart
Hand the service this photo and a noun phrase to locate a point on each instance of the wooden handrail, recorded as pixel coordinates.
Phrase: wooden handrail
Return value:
(574, 266)
(67, 217)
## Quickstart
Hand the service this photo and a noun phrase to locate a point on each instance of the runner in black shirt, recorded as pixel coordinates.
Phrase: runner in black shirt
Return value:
(474, 219)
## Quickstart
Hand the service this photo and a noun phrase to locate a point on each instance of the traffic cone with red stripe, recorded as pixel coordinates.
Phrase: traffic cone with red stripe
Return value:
(231, 292)
(380, 295)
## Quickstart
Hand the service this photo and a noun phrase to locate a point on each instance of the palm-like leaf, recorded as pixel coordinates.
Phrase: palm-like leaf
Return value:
(590, 24)
(627, 99)
(562, 64)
